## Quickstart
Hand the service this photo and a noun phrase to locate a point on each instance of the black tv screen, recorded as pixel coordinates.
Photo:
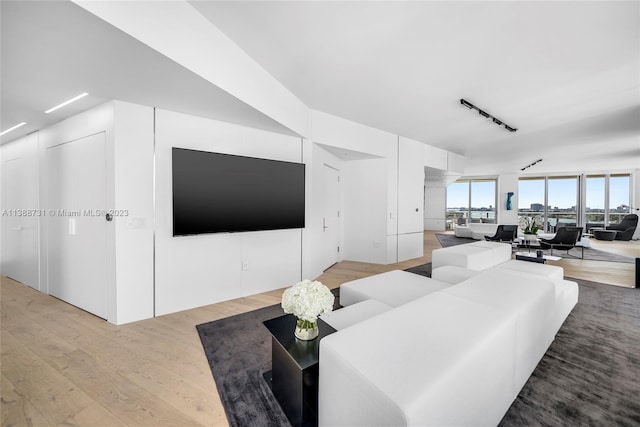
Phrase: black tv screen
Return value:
(221, 193)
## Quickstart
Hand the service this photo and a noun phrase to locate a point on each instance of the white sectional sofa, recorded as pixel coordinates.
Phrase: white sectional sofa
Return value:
(456, 353)
(476, 230)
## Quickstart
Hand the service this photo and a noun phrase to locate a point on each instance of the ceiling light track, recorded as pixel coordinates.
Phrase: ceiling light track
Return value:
(531, 164)
(13, 128)
(75, 98)
(487, 115)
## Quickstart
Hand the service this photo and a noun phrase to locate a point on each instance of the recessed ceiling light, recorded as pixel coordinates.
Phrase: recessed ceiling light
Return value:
(13, 128)
(82, 95)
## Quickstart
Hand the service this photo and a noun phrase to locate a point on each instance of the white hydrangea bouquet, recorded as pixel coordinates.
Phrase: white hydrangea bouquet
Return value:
(307, 301)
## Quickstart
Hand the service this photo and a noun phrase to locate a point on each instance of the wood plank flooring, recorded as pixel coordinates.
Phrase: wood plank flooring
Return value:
(63, 366)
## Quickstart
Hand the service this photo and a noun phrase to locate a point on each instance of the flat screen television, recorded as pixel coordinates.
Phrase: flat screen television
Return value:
(223, 193)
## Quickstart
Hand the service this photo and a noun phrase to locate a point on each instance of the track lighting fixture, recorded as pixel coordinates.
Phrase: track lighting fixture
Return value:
(532, 164)
(487, 115)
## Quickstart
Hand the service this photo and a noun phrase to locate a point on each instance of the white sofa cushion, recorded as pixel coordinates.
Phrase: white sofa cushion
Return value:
(354, 313)
(452, 274)
(439, 360)
(393, 288)
(549, 271)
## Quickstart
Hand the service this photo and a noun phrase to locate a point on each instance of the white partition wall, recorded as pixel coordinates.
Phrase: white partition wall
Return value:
(196, 270)
(410, 198)
(365, 205)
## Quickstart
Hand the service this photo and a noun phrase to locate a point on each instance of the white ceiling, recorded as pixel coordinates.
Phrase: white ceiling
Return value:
(566, 74)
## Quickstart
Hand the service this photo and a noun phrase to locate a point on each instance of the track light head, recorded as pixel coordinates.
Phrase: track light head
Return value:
(483, 113)
(466, 103)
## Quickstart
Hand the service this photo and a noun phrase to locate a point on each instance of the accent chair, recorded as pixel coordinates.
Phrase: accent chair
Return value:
(625, 228)
(504, 233)
(565, 239)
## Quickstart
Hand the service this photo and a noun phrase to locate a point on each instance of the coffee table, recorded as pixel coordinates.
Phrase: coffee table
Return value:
(528, 256)
(528, 241)
(294, 372)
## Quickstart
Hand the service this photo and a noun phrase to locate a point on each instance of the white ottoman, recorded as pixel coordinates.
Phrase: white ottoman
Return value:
(467, 256)
(354, 313)
(463, 231)
(393, 288)
(550, 271)
(452, 274)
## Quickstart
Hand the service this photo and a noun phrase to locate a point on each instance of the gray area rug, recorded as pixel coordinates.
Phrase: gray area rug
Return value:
(447, 240)
(589, 376)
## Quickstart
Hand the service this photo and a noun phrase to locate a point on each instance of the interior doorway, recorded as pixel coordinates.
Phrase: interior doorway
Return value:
(331, 217)
(20, 223)
(76, 223)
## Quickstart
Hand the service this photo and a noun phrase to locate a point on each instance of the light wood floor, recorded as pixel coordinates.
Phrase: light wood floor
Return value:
(63, 366)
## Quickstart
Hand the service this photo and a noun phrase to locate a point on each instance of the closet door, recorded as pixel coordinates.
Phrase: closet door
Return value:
(77, 232)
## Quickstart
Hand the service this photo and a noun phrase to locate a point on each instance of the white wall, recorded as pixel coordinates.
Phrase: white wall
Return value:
(365, 207)
(133, 190)
(507, 182)
(404, 178)
(20, 234)
(411, 198)
(435, 196)
(196, 270)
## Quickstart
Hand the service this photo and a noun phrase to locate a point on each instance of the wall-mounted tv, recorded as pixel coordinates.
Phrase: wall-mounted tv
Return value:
(223, 193)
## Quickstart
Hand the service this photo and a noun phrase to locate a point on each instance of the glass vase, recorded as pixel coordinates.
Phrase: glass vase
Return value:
(306, 330)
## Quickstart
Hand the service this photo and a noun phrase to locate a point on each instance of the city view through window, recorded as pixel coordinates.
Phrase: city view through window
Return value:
(471, 201)
(606, 200)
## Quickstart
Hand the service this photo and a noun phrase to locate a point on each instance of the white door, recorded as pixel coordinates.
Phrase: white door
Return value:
(331, 217)
(19, 224)
(77, 232)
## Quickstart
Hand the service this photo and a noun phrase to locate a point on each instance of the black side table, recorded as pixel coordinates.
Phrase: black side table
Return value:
(294, 374)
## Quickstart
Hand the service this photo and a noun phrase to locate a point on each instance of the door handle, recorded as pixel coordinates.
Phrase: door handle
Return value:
(324, 224)
(16, 228)
(108, 217)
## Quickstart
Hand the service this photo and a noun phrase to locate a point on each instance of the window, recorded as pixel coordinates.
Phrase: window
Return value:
(531, 198)
(471, 200)
(483, 201)
(594, 201)
(619, 191)
(457, 204)
(557, 200)
(562, 202)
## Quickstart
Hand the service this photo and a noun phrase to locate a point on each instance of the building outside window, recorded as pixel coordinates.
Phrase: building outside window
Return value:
(619, 196)
(471, 200)
(557, 200)
(531, 198)
(562, 202)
